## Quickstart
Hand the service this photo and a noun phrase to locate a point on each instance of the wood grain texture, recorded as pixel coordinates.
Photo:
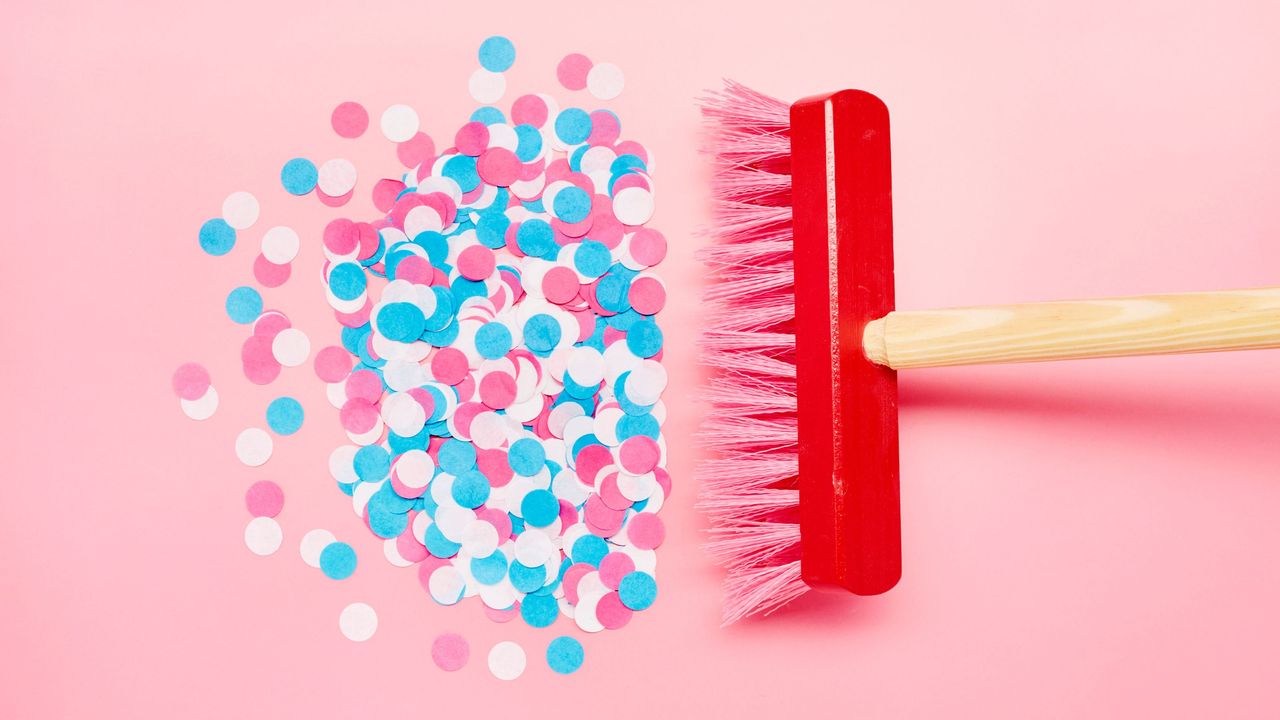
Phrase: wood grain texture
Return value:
(1114, 327)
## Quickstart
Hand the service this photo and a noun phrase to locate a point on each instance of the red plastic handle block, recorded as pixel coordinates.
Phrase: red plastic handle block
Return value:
(850, 529)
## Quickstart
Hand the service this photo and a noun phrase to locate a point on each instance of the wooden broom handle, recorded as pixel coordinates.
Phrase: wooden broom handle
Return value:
(1145, 325)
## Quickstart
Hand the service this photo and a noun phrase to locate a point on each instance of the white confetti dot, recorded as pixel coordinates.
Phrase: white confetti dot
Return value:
(633, 206)
(399, 123)
(446, 585)
(291, 347)
(280, 245)
(506, 660)
(253, 446)
(358, 622)
(314, 543)
(263, 535)
(336, 177)
(240, 210)
(203, 407)
(605, 81)
(487, 87)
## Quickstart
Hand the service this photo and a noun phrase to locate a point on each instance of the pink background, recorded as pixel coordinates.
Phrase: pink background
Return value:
(1085, 539)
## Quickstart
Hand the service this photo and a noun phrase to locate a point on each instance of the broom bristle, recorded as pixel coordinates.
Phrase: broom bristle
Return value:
(748, 486)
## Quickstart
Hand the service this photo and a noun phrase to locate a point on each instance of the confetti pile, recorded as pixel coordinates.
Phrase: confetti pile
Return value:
(499, 369)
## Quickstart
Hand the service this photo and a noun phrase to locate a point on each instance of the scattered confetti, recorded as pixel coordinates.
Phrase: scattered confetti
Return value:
(358, 622)
(264, 499)
(203, 407)
(507, 660)
(399, 123)
(280, 245)
(244, 305)
(313, 544)
(298, 176)
(338, 561)
(191, 381)
(565, 655)
(573, 70)
(263, 535)
(497, 54)
(217, 237)
(605, 81)
(450, 652)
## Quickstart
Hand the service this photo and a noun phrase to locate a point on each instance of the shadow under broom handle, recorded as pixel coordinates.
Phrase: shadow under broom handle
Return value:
(1114, 327)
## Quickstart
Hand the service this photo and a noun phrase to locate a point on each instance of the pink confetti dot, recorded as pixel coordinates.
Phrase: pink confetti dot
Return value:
(611, 494)
(648, 246)
(270, 274)
(364, 385)
(260, 364)
(494, 465)
(472, 138)
(498, 390)
(191, 381)
(611, 612)
(572, 71)
(614, 567)
(605, 128)
(333, 364)
(560, 285)
(385, 192)
(417, 150)
(647, 295)
(572, 577)
(502, 616)
(601, 519)
(646, 531)
(350, 120)
(415, 269)
(358, 415)
(270, 323)
(341, 237)
(264, 499)
(450, 652)
(590, 461)
(529, 110)
(449, 366)
(476, 262)
(332, 201)
(498, 166)
(638, 454)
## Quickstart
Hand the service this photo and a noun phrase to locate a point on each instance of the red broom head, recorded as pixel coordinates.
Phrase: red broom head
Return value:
(802, 483)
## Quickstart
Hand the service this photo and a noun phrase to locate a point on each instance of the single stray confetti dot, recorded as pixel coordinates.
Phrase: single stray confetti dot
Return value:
(450, 652)
(298, 176)
(507, 660)
(399, 123)
(253, 446)
(605, 81)
(244, 305)
(314, 543)
(217, 237)
(284, 416)
(358, 622)
(573, 70)
(338, 561)
(497, 54)
(565, 655)
(280, 245)
(264, 499)
(290, 347)
(350, 120)
(190, 381)
(487, 87)
(263, 536)
(240, 210)
(203, 407)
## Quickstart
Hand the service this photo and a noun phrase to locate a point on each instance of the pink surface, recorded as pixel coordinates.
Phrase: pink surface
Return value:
(1091, 539)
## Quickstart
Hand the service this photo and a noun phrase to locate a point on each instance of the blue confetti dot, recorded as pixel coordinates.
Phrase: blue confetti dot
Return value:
(462, 170)
(535, 238)
(540, 508)
(565, 655)
(338, 560)
(284, 416)
(644, 339)
(244, 305)
(401, 321)
(387, 525)
(528, 142)
(488, 115)
(572, 205)
(527, 579)
(471, 489)
(527, 456)
(372, 463)
(491, 230)
(497, 54)
(493, 340)
(637, 590)
(439, 545)
(347, 281)
(539, 610)
(542, 333)
(217, 237)
(489, 570)
(592, 258)
(589, 549)
(457, 456)
(611, 293)
(299, 176)
(573, 126)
